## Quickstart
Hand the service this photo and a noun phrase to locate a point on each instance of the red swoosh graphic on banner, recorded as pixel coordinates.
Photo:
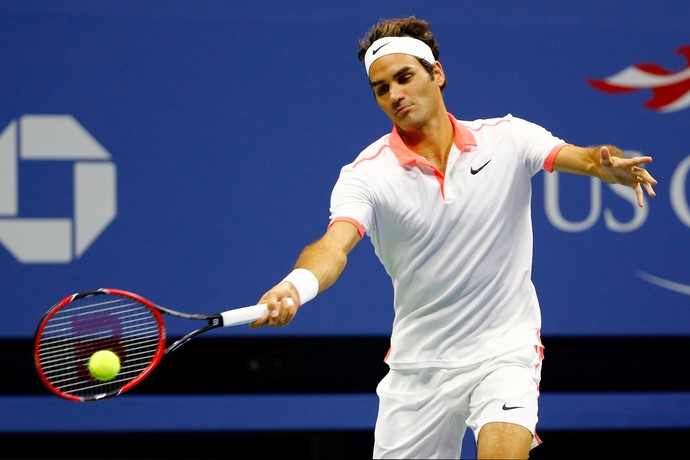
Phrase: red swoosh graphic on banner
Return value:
(670, 90)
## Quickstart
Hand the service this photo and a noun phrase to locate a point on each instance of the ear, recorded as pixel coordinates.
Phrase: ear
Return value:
(439, 74)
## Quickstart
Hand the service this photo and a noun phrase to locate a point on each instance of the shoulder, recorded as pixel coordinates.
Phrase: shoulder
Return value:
(507, 121)
(372, 155)
(500, 127)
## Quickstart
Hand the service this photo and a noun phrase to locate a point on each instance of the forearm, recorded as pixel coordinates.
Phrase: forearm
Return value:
(320, 264)
(608, 163)
(327, 257)
(317, 268)
(584, 160)
(324, 262)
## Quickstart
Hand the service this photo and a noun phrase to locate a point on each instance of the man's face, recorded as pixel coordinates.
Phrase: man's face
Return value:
(404, 89)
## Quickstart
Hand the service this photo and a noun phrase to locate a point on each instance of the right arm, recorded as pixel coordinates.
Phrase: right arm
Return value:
(326, 259)
(608, 163)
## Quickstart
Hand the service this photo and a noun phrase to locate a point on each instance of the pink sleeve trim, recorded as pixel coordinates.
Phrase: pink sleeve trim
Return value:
(358, 226)
(548, 163)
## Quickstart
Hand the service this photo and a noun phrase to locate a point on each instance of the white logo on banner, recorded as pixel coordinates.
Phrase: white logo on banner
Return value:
(55, 138)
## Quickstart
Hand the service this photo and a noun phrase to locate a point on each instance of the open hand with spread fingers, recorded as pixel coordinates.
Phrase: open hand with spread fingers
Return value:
(627, 171)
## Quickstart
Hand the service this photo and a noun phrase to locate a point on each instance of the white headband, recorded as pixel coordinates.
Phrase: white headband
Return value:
(392, 45)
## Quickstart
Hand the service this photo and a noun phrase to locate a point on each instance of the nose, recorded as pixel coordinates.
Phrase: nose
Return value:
(395, 93)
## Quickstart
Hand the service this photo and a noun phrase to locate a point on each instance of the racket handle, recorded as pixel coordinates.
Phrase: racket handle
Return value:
(244, 315)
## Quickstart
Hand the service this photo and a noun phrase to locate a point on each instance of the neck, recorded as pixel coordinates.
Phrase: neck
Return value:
(433, 141)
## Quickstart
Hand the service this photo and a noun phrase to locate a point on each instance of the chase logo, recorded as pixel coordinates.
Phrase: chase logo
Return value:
(670, 90)
(50, 240)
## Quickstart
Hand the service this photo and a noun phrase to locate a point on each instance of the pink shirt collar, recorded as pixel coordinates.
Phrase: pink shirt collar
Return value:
(463, 139)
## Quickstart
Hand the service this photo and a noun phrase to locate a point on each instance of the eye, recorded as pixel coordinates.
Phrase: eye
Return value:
(381, 90)
(405, 78)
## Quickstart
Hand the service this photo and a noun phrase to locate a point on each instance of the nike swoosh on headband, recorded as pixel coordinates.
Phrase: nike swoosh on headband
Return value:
(373, 52)
(404, 45)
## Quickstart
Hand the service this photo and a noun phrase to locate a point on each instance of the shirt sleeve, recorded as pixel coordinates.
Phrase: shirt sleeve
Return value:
(538, 145)
(351, 200)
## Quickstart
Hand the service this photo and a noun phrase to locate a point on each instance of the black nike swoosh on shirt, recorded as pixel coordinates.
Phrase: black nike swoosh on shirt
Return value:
(475, 171)
(511, 407)
(377, 49)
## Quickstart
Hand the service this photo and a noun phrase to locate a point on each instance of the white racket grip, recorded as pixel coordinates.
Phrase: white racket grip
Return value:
(244, 315)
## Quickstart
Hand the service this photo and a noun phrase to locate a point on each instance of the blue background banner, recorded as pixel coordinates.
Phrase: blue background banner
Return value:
(186, 150)
(227, 123)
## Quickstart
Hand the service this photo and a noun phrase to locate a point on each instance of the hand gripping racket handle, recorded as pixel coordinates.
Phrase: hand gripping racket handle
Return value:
(244, 315)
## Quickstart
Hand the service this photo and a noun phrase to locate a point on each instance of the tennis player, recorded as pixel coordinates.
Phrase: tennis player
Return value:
(446, 204)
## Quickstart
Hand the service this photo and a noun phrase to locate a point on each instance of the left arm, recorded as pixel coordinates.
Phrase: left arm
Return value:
(608, 164)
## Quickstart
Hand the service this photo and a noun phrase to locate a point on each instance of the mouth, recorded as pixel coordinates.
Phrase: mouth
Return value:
(403, 110)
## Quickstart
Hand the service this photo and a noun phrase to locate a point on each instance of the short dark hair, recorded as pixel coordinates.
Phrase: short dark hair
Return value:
(410, 26)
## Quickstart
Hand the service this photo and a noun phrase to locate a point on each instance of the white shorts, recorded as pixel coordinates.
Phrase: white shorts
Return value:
(424, 413)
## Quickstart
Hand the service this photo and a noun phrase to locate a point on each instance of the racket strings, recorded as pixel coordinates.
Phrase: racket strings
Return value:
(74, 332)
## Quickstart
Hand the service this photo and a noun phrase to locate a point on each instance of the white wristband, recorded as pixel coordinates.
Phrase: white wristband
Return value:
(305, 283)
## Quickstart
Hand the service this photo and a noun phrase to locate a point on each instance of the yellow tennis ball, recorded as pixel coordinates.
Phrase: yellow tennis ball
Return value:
(104, 365)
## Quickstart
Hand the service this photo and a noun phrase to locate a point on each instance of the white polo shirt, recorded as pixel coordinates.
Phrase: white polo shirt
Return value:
(458, 247)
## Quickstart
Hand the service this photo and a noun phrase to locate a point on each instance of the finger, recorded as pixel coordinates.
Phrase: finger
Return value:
(282, 313)
(259, 322)
(274, 316)
(646, 180)
(605, 156)
(289, 306)
(287, 311)
(641, 160)
(633, 163)
(648, 177)
(648, 187)
(273, 311)
(640, 195)
(642, 175)
(292, 307)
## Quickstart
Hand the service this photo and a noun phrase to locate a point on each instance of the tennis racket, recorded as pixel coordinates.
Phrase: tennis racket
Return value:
(124, 323)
